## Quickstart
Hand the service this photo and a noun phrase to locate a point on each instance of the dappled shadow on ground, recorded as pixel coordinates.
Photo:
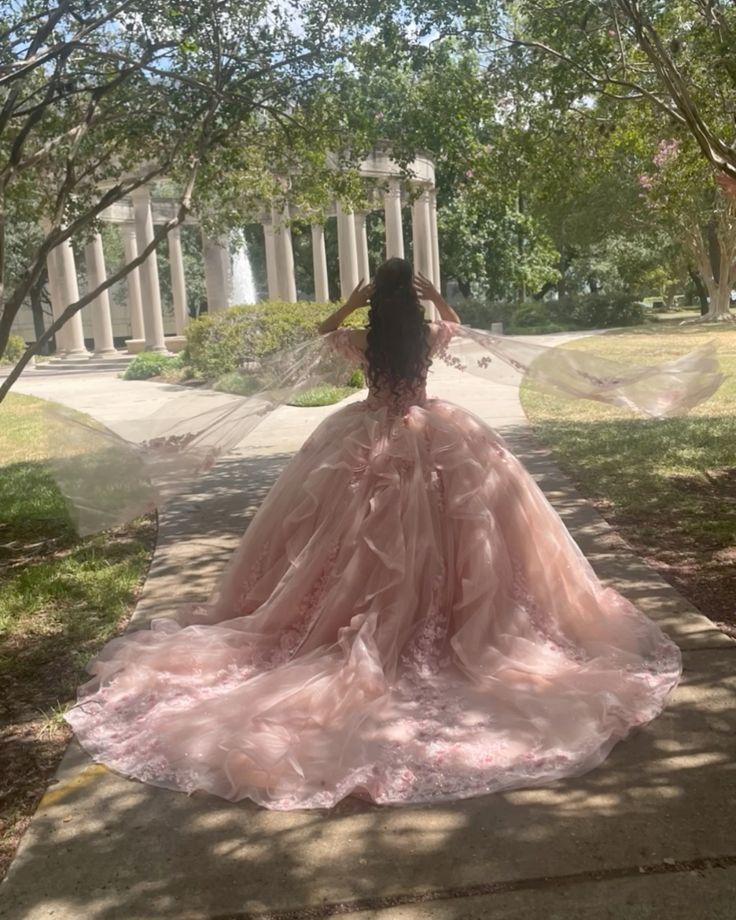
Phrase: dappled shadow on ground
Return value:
(200, 529)
(223, 500)
(105, 847)
(682, 524)
(108, 848)
(59, 596)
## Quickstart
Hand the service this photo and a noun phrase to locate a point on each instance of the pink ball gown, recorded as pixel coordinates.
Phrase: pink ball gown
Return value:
(406, 619)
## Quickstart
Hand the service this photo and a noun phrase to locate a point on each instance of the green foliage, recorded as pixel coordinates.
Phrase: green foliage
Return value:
(238, 383)
(597, 311)
(583, 311)
(61, 598)
(13, 350)
(150, 364)
(220, 343)
(481, 315)
(532, 314)
(321, 396)
(357, 380)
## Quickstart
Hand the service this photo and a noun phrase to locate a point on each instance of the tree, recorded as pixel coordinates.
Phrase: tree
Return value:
(99, 97)
(677, 189)
(676, 56)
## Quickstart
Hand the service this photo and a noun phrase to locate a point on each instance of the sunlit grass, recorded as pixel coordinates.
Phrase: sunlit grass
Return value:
(669, 484)
(321, 396)
(61, 598)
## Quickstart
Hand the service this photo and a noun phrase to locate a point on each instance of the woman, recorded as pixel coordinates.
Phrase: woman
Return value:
(405, 619)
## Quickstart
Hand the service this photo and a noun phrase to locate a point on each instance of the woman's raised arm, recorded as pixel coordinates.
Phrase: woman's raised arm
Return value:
(359, 298)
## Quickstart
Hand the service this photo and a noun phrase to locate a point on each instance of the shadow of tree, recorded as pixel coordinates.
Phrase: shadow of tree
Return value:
(104, 847)
(668, 486)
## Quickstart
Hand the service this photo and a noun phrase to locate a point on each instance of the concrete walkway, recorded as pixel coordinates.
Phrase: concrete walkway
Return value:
(649, 834)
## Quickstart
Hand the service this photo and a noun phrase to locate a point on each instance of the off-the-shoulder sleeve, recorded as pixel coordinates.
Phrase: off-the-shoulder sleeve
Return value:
(442, 333)
(341, 340)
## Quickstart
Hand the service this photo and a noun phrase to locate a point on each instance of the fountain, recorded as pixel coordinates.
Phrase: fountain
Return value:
(242, 284)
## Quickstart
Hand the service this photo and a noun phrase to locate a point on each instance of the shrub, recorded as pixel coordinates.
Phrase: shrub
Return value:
(592, 311)
(585, 311)
(150, 364)
(325, 395)
(482, 315)
(222, 342)
(357, 380)
(238, 383)
(535, 313)
(14, 350)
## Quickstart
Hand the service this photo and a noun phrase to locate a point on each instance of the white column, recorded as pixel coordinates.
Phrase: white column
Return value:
(421, 243)
(69, 293)
(57, 304)
(272, 268)
(284, 257)
(178, 281)
(216, 274)
(392, 210)
(319, 260)
(434, 238)
(361, 242)
(100, 306)
(150, 289)
(346, 251)
(133, 280)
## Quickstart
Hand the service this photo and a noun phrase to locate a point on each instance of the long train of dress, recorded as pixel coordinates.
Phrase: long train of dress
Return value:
(405, 619)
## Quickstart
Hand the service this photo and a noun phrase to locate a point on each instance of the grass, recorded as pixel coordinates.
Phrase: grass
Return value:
(668, 485)
(61, 598)
(321, 396)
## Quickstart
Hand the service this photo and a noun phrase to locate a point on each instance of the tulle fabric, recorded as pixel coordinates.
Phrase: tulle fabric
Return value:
(405, 619)
(108, 478)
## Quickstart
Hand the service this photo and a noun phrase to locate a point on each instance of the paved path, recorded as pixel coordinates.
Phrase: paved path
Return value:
(649, 834)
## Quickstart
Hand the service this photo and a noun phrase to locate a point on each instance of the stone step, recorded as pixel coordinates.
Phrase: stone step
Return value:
(117, 362)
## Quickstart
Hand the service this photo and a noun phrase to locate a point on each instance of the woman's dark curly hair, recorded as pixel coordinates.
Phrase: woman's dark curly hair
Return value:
(397, 347)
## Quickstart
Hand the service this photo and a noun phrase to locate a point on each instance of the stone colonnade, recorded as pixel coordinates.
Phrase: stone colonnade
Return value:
(136, 224)
(136, 221)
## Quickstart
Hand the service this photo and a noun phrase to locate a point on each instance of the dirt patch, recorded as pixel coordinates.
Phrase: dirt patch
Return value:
(29, 754)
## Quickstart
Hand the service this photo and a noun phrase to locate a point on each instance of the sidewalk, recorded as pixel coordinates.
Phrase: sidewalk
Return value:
(649, 834)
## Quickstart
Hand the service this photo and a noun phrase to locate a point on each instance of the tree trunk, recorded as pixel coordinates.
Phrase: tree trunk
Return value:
(700, 290)
(714, 250)
(39, 326)
(464, 288)
(717, 281)
(545, 289)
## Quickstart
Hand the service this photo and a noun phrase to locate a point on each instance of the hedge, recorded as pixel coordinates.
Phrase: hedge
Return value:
(585, 311)
(220, 343)
(150, 364)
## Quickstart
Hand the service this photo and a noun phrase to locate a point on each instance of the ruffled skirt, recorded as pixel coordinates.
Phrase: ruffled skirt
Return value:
(406, 619)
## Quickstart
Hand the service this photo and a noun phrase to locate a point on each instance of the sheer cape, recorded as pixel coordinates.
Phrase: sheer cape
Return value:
(110, 477)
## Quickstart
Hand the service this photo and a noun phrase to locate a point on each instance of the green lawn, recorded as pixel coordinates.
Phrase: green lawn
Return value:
(668, 485)
(61, 597)
(325, 395)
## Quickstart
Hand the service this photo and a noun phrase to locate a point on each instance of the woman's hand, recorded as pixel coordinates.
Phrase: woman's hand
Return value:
(425, 289)
(360, 296)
